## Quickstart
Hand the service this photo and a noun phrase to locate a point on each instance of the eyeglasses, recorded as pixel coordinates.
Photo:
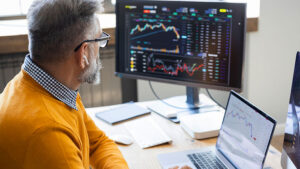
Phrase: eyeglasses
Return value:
(103, 41)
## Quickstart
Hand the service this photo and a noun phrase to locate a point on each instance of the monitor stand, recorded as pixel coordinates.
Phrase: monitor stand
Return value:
(178, 106)
(192, 97)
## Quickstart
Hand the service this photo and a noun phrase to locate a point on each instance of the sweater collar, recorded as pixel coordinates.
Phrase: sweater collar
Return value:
(54, 87)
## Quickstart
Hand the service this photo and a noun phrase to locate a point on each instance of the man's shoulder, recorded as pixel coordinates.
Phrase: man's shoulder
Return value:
(18, 95)
(24, 114)
(22, 108)
(22, 105)
(25, 107)
(23, 93)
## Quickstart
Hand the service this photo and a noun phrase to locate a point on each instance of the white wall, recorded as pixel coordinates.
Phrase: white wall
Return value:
(272, 52)
(269, 61)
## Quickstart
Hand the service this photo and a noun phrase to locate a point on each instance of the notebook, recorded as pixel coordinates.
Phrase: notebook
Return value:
(121, 113)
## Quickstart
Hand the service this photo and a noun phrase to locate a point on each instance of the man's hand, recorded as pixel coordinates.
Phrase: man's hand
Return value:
(183, 167)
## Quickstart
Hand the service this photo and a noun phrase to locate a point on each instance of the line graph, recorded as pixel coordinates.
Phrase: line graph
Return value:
(245, 120)
(158, 37)
(170, 70)
(245, 133)
(147, 26)
(167, 67)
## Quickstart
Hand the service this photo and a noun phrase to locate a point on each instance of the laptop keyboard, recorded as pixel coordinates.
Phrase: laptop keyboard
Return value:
(206, 160)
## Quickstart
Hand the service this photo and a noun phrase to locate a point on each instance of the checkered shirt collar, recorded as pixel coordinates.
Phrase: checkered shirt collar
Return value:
(58, 90)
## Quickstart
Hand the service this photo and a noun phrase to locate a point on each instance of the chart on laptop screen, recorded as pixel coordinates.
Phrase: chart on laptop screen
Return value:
(245, 134)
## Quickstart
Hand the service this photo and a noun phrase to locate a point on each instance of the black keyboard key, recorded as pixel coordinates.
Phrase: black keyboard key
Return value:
(206, 160)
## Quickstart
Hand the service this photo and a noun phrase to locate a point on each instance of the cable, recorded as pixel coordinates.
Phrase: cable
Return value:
(214, 99)
(158, 98)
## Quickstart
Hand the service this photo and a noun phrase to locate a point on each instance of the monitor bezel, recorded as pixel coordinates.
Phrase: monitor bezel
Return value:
(179, 82)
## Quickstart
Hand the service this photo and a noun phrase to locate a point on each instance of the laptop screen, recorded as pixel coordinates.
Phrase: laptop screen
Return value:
(245, 134)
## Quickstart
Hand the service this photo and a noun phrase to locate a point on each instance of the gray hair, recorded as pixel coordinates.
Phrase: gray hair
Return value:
(56, 27)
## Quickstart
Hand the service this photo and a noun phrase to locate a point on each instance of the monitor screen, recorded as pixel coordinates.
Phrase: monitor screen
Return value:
(245, 134)
(292, 131)
(198, 44)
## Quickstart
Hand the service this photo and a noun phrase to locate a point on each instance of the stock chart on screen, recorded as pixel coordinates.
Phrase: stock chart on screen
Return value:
(244, 135)
(174, 41)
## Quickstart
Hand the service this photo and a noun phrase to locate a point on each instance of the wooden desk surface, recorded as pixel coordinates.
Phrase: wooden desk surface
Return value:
(138, 158)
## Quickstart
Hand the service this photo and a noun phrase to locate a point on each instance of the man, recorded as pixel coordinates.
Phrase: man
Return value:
(43, 123)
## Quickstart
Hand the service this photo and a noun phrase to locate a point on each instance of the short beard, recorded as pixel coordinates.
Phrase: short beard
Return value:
(92, 73)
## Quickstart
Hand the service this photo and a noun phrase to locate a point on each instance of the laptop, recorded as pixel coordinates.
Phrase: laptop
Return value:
(243, 141)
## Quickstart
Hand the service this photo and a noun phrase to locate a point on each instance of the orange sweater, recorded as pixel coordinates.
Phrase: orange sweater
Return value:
(38, 131)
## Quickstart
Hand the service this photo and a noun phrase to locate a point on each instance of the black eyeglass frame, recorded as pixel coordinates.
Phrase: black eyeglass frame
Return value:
(107, 37)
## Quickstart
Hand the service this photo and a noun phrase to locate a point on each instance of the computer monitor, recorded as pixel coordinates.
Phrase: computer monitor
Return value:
(291, 146)
(187, 42)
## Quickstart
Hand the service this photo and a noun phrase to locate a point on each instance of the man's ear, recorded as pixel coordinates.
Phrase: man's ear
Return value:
(81, 54)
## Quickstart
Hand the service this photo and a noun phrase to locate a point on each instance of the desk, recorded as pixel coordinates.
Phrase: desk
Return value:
(138, 158)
